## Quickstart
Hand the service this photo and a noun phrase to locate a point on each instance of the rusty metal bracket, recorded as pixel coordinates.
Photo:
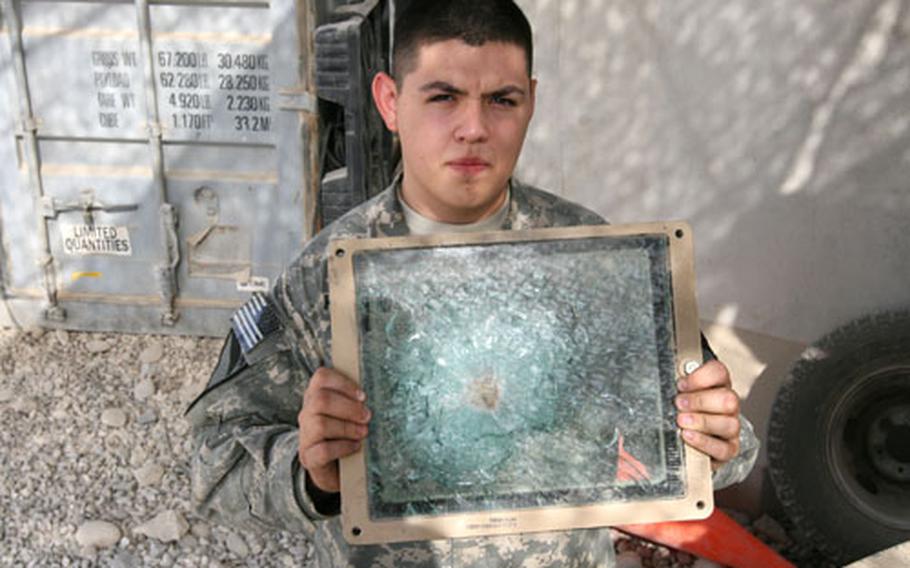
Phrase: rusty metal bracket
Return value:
(297, 100)
(167, 273)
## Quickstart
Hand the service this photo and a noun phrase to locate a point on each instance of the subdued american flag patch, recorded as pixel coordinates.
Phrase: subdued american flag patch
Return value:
(254, 322)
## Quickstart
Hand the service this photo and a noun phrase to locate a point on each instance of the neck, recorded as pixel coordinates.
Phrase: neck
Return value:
(442, 213)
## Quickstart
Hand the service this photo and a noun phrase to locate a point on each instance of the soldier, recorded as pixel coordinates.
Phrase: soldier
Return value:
(460, 101)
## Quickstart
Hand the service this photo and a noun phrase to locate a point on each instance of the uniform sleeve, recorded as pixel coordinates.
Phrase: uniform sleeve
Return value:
(736, 470)
(245, 469)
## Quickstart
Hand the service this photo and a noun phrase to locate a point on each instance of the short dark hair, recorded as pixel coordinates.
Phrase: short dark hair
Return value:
(475, 22)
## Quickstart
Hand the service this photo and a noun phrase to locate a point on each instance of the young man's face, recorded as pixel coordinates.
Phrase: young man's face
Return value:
(461, 114)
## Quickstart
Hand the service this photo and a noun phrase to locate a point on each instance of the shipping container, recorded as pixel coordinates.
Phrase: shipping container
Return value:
(158, 160)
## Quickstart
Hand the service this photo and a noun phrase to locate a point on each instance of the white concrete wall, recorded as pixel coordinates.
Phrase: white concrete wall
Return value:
(780, 129)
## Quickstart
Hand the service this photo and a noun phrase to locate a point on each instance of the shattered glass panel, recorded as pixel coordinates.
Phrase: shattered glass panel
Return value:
(518, 375)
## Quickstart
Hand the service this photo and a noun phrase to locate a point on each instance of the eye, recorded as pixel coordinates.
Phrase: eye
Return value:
(441, 98)
(503, 101)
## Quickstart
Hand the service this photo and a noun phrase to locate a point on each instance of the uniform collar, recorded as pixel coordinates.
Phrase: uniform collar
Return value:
(391, 221)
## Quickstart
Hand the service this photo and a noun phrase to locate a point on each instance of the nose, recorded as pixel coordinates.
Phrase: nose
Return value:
(472, 126)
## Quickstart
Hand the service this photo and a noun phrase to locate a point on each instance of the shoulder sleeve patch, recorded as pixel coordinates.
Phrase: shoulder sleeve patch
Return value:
(254, 321)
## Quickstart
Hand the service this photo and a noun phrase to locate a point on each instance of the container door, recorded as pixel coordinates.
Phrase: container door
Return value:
(164, 158)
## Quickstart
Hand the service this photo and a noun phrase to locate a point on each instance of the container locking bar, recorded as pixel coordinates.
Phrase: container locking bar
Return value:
(88, 205)
(167, 271)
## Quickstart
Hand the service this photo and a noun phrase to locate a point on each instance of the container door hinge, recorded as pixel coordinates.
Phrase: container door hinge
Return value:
(53, 311)
(28, 124)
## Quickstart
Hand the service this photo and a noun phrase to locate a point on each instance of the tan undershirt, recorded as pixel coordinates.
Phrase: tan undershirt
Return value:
(420, 225)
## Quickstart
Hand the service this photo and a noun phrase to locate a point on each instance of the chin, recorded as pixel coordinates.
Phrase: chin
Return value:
(476, 204)
(483, 188)
(476, 195)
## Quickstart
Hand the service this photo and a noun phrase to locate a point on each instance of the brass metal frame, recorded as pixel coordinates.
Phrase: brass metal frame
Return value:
(359, 528)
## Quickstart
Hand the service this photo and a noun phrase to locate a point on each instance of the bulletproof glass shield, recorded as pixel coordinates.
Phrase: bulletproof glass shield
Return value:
(519, 381)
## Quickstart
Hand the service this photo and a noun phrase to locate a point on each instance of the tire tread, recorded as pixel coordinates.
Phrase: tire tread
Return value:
(843, 342)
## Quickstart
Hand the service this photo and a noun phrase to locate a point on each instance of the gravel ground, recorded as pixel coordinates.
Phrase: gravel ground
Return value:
(91, 429)
(95, 467)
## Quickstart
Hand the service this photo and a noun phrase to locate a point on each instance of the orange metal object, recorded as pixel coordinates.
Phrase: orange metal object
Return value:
(718, 538)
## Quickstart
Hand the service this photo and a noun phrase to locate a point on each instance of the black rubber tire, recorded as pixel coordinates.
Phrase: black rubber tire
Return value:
(842, 487)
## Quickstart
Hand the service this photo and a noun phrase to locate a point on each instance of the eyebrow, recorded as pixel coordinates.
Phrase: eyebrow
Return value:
(453, 90)
(442, 86)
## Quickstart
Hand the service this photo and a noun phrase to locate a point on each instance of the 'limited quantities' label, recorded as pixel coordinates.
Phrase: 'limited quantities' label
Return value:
(85, 240)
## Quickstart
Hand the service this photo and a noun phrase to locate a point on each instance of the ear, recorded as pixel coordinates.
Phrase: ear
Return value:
(533, 97)
(385, 96)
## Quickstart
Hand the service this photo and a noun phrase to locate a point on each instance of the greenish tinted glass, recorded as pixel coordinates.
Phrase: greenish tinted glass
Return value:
(509, 375)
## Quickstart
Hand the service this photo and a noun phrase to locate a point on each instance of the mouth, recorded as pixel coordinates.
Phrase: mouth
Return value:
(469, 165)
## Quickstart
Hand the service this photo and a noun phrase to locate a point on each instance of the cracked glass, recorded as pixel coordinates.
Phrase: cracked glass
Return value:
(518, 375)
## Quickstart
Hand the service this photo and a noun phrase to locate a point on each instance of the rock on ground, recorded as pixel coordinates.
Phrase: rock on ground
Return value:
(98, 534)
(148, 416)
(143, 389)
(24, 405)
(97, 346)
(236, 545)
(152, 353)
(113, 417)
(149, 474)
(167, 526)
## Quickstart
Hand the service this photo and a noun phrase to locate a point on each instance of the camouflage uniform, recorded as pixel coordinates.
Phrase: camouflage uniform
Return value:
(245, 467)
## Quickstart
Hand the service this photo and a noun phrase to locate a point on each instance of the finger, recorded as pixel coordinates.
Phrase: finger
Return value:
(325, 378)
(320, 428)
(326, 478)
(326, 453)
(717, 425)
(710, 375)
(719, 450)
(331, 403)
(712, 401)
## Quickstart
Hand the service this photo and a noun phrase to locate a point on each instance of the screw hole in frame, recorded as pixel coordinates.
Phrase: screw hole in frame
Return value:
(340, 253)
(680, 233)
(356, 531)
(700, 505)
